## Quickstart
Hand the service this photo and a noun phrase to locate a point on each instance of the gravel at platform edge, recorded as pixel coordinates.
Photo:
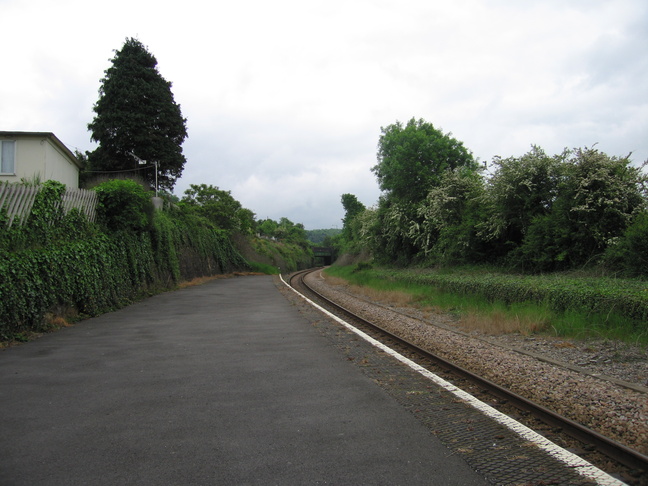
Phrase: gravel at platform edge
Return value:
(554, 372)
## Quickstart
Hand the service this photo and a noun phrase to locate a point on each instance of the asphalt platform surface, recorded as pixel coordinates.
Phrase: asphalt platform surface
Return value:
(223, 383)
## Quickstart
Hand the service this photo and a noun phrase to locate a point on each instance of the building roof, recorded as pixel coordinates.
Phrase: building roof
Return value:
(68, 153)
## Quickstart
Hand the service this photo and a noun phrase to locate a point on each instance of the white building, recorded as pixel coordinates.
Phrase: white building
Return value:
(37, 156)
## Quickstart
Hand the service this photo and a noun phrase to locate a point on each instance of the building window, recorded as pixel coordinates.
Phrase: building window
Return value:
(7, 156)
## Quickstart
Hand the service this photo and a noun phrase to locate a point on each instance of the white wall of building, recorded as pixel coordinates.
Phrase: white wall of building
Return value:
(39, 157)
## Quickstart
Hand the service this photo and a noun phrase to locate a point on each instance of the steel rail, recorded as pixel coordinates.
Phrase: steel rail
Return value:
(610, 448)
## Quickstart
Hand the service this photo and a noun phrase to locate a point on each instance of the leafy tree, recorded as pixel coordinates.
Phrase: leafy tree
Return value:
(292, 232)
(219, 207)
(267, 227)
(329, 241)
(597, 200)
(246, 221)
(284, 230)
(546, 245)
(322, 237)
(81, 157)
(450, 215)
(629, 253)
(368, 223)
(137, 114)
(352, 207)
(394, 237)
(602, 194)
(520, 190)
(412, 158)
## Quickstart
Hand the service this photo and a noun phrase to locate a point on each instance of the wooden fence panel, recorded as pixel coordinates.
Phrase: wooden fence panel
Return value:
(83, 199)
(18, 200)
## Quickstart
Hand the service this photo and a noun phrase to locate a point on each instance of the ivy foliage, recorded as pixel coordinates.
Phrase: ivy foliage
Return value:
(90, 276)
(46, 224)
(188, 246)
(283, 255)
(57, 262)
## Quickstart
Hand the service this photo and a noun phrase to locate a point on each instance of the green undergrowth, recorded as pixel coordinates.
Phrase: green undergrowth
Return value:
(280, 255)
(560, 305)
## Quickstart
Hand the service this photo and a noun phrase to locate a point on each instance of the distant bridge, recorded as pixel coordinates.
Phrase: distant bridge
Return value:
(322, 255)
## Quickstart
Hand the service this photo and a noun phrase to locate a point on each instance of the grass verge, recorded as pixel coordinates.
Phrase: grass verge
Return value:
(540, 305)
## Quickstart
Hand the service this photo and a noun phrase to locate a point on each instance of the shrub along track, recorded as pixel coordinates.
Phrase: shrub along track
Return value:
(538, 382)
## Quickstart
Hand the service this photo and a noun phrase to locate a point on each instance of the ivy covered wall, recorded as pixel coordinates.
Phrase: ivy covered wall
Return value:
(58, 264)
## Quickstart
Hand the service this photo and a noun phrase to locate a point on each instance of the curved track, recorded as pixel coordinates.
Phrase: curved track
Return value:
(608, 447)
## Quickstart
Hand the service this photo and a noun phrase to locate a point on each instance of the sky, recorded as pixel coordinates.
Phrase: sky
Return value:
(285, 100)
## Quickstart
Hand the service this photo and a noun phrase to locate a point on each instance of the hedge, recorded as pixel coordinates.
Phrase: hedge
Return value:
(627, 297)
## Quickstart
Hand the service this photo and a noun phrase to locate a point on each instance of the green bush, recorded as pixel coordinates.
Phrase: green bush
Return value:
(629, 254)
(123, 205)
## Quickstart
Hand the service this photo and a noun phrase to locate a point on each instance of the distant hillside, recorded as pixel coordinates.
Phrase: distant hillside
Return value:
(319, 235)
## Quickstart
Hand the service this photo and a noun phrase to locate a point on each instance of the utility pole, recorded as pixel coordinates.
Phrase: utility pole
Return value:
(144, 162)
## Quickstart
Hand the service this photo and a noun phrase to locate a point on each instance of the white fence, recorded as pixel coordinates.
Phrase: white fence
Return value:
(17, 201)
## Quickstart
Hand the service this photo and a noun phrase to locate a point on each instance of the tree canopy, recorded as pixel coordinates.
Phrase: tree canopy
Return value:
(412, 158)
(412, 161)
(521, 189)
(534, 213)
(352, 207)
(219, 207)
(597, 199)
(322, 237)
(284, 230)
(136, 116)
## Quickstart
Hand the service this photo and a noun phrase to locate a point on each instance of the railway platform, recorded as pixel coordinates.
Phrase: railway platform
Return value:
(224, 383)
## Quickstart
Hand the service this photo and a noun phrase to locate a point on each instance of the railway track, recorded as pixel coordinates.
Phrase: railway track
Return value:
(591, 440)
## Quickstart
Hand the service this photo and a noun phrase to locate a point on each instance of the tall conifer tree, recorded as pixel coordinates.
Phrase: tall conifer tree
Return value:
(137, 117)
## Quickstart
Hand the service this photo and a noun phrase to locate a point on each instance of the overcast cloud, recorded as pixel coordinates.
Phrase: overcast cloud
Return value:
(284, 100)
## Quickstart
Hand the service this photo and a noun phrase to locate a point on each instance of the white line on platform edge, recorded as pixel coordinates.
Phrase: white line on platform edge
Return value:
(580, 465)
